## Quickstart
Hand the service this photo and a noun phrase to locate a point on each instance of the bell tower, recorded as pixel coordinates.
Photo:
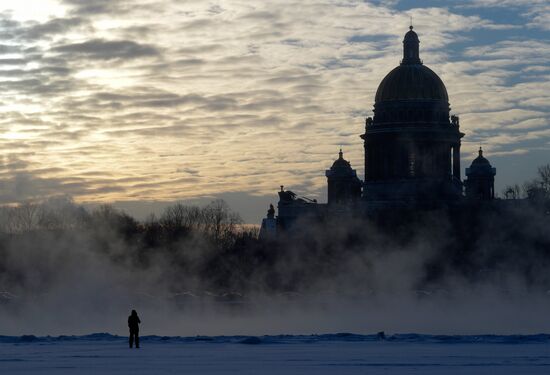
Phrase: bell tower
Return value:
(344, 186)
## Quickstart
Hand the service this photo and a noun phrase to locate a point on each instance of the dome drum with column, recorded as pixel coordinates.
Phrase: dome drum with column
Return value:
(411, 113)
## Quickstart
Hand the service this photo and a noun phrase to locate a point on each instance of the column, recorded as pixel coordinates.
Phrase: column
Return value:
(367, 149)
(456, 161)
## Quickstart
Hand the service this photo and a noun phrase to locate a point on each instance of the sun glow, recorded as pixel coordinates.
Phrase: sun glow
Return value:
(11, 135)
(114, 78)
(35, 10)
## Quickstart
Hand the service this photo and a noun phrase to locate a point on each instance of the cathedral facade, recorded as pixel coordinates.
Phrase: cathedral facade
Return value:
(412, 153)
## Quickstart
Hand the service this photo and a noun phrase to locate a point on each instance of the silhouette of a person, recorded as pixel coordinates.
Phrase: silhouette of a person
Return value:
(133, 324)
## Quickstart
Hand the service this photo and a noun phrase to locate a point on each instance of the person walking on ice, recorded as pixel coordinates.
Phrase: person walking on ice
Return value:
(133, 324)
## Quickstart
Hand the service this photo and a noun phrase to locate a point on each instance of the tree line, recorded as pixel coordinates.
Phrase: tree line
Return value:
(62, 213)
(209, 248)
(537, 188)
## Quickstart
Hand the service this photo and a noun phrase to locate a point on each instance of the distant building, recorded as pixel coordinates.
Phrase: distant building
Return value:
(412, 152)
(344, 187)
(412, 146)
(480, 183)
(292, 208)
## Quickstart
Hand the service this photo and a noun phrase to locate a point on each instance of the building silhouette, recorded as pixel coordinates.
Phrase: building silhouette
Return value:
(344, 187)
(480, 183)
(412, 153)
(412, 146)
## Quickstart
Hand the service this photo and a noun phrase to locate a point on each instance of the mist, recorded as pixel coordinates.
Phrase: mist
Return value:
(197, 271)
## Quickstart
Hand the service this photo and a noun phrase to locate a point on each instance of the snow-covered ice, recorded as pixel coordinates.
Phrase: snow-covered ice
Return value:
(285, 354)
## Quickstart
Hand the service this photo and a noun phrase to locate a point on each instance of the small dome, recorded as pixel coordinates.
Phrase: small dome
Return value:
(341, 167)
(480, 161)
(341, 162)
(411, 36)
(408, 82)
(481, 165)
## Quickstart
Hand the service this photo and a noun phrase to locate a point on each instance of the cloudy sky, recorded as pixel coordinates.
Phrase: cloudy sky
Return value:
(143, 101)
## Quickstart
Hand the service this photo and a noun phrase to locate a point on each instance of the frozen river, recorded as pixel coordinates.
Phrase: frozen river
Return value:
(315, 354)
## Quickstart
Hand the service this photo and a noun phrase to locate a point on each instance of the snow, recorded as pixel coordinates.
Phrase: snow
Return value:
(314, 354)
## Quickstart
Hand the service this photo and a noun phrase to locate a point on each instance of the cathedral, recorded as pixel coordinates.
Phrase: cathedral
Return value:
(412, 154)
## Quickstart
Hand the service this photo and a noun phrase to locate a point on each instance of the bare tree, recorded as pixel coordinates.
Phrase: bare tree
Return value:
(219, 219)
(534, 191)
(544, 177)
(24, 217)
(512, 192)
(106, 216)
(5, 219)
(180, 216)
(539, 187)
(61, 213)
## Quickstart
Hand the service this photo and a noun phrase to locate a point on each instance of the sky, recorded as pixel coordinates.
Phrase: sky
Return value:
(146, 102)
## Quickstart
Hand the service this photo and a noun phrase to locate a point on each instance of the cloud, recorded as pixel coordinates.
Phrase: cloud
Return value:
(31, 31)
(96, 7)
(249, 94)
(99, 49)
(6, 48)
(52, 27)
(536, 11)
(23, 186)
